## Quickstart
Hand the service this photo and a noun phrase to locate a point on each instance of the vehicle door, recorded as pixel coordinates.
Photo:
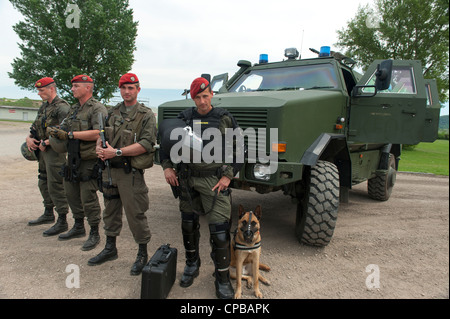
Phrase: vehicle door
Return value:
(432, 112)
(395, 115)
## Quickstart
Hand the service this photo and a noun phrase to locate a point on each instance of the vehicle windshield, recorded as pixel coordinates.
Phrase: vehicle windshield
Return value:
(320, 76)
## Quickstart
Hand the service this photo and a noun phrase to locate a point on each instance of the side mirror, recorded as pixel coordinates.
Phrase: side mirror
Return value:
(383, 75)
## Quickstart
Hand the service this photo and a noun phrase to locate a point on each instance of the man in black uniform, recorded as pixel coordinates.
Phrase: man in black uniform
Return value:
(204, 191)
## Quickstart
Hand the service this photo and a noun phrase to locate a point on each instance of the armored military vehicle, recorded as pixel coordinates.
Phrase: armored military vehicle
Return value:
(335, 128)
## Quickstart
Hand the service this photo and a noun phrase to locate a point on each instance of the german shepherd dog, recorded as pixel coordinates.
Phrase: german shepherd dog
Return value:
(246, 251)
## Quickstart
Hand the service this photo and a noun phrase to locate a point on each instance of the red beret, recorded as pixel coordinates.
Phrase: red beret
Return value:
(82, 79)
(128, 78)
(198, 86)
(44, 82)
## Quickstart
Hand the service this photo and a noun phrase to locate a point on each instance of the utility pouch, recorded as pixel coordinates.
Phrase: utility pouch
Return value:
(109, 132)
(126, 138)
(73, 155)
(127, 165)
(143, 161)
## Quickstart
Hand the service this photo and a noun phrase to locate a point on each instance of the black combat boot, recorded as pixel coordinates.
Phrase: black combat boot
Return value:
(93, 239)
(191, 237)
(76, 231)
(47, 218)
(109, 253)
(59, 227)
(220, 254)
(141, 260)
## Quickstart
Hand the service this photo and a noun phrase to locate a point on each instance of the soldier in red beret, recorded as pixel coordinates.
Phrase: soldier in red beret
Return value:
(81, 130)
(131, 135)
(51, 113)
(204, 191)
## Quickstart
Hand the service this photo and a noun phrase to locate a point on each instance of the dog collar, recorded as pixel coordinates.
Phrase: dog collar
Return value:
(243, 247)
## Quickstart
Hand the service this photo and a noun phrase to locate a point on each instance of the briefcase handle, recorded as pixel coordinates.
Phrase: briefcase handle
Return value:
(165, 255)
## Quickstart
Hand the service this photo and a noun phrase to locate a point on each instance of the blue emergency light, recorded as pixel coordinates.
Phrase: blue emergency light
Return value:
(324, 51)
(263, 58)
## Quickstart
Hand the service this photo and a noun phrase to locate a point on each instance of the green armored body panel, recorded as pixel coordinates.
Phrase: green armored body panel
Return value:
(315, 127)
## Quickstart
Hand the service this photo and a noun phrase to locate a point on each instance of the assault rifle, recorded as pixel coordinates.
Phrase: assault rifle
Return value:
(103, 138)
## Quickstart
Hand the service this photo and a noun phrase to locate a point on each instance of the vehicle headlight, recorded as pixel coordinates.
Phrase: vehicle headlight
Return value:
(262, 172)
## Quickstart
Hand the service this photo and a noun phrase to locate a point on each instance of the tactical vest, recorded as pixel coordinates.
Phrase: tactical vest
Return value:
(210, 120)
(121, 132)
(47, 116)
(79, 119)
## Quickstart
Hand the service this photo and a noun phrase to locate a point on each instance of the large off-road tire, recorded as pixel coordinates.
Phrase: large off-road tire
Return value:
(318, 205)
(380, 187)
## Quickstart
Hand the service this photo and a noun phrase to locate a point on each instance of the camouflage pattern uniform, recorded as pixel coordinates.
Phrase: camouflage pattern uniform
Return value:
(50, 162)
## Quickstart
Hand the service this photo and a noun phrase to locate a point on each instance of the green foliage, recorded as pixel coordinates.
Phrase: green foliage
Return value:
(102, 46)
(443, 122)
(443, 134)
(426, 158)
(25, 102)
(406, 30)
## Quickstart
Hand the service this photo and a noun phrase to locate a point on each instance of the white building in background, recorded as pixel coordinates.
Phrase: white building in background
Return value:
(18, 113)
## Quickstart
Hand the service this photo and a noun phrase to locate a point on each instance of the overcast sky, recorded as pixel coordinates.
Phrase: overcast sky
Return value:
(178, 40)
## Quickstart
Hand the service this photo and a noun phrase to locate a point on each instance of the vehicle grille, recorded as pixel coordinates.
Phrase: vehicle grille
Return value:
(251, 118)
(256, 118)
(171, 113)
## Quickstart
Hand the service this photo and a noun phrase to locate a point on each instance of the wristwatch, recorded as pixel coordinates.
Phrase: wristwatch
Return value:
(70, 135)
(43, 143)
(118, 152)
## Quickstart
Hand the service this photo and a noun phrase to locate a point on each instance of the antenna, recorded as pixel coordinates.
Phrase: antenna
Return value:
(301, 44)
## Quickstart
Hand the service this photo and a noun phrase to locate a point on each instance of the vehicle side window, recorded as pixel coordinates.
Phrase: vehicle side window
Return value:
(402, 81)
(349, 81)
(429, 96)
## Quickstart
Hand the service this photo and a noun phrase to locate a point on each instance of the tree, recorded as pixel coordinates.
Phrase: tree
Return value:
(63, 39)
(403, 29)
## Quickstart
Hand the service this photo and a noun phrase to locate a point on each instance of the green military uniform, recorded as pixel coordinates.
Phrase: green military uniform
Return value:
(50, 162)
(136, 124)
(82, 187)
(127, 189)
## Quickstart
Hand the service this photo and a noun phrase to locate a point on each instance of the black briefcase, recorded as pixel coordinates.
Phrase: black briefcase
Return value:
(159, 274)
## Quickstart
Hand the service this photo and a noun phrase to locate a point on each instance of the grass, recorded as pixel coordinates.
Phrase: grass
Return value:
(426, 158)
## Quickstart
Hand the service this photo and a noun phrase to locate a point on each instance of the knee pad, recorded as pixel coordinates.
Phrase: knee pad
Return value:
(189, 222)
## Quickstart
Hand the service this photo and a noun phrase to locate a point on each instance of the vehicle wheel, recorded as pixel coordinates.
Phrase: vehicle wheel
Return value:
(380, 187)
(318, 206)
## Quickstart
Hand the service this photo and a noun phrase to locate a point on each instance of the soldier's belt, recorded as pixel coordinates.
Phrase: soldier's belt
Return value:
(118, 165)
(202, 173)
